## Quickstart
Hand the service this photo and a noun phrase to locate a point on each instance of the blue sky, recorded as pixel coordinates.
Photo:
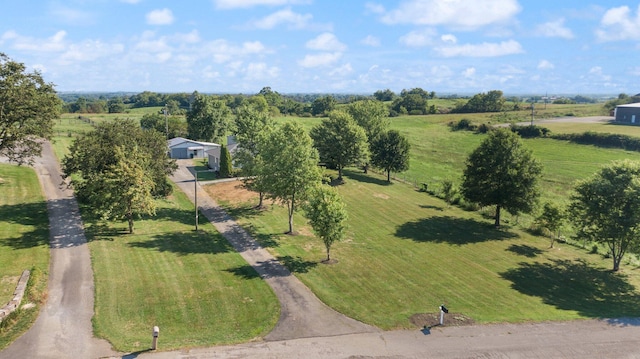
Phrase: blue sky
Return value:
(327, 46)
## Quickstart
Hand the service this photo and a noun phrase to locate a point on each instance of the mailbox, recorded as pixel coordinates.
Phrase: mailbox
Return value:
(156, 334)
(444, 309)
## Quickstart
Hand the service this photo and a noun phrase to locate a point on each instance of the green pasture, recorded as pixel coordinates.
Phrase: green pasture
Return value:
(407, 252)
(24, 244)
(193, 285)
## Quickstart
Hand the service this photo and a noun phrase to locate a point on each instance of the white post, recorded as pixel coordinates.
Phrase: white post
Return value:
(156, 333)
(441, 316)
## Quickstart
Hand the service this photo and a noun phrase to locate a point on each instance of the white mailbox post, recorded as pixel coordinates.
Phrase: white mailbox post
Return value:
(156, 334)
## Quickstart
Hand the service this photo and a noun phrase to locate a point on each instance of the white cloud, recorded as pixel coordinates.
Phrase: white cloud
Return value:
(234, 4)
(619, 24)
(545, 65)
(190, 38)
(71, 16)
(554, 29)
(371, 40)
(90, 50)
(286, 16)
(130, 1)
(469, 72)
(342, 70)
(418, 38)
(55, 43)
(482, 50)
(326, 42)
(160, 17)
(322, 59)
(449, 38)
(261, 71)
(469, 14)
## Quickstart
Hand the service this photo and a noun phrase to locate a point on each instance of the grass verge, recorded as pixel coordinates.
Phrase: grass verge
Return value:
(24, 244)
(193, 285)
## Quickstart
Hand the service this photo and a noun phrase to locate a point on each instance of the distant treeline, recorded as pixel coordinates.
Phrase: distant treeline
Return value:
(414, 101)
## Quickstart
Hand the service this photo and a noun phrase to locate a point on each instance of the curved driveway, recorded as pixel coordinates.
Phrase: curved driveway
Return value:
(302, 314)
(63, 328)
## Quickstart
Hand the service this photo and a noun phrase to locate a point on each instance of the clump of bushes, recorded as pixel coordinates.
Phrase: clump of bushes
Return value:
(609, 140)
(530, 131)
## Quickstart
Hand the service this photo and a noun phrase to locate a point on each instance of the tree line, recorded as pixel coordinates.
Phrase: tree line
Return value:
(119, 168)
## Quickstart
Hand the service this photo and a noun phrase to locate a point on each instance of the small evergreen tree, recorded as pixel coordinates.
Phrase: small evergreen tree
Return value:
(225, 163)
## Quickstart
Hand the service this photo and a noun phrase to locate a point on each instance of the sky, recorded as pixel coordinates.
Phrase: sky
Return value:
(328, 46)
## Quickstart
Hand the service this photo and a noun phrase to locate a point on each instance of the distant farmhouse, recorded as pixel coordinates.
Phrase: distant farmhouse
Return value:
(183, 148)
(629, 113)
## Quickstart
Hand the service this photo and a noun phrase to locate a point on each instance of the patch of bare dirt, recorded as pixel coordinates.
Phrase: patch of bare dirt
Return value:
(428, 320)
(232, 192)
(381, 195)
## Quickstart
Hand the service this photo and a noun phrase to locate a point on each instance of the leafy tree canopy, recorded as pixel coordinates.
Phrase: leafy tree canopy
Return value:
(606, 208)
(327, 214)
(290, 167)
(502, 172)
(208, 119)
(28, 106)
(340, 141)
(390, 151)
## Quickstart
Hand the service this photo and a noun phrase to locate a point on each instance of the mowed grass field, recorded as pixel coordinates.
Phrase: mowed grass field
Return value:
(193, 285)
(407, 252)
(24, 245)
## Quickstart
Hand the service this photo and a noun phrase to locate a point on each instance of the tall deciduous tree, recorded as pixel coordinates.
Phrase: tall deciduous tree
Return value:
(290, 167)
(93, 155)
(28, 106)
(552, 219)
(502, 172)
(606, 208)
(390, 151)
(371, 115)
(340, 141)
(253, 129)
(327, 215)
(123, 190)
(208, 119)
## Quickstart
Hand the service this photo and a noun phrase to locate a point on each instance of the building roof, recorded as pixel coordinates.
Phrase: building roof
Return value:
(179, 140)
(637, 104)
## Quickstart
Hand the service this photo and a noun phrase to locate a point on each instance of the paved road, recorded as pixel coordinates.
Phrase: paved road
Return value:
(302, 314)
(63, 328)
(567, 340)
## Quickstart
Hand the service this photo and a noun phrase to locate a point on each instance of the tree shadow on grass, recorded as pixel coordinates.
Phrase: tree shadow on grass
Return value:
(525, 250)
(451, 230)
(32, 215)
(364, 178)
(283, 266)
(185, 243)
(575, 285)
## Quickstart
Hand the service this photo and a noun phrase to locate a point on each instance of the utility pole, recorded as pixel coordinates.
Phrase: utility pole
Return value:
(166, 122)
(532, 108)
(196, 196)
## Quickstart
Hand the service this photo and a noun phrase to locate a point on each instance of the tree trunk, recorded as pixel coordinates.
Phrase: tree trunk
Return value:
(365, 168)
(388, 175)
(290, 208)
(616, 263)
(328, 257)
(497, 223)
(130, 218)
(260, 203)
(339, 173)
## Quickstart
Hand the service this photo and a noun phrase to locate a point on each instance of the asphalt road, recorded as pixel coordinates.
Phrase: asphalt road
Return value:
(63, 328)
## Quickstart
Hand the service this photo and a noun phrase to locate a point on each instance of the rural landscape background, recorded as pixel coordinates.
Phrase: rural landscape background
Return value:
(445, 74)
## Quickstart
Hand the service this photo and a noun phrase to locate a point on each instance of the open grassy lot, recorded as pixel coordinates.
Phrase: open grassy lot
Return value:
(408, 252)
(24, 244)
(193, 285)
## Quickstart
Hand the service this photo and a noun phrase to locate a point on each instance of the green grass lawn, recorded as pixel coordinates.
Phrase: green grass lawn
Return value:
(193, 285)
(24, 244)
(408, 252)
